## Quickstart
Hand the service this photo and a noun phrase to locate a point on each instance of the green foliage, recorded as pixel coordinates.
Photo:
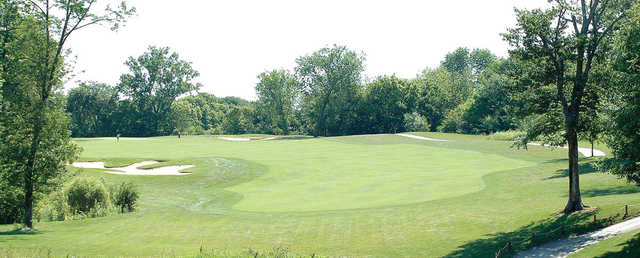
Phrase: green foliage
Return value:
(238, 120)
(330, 83)
(414, 122)
(454, 120)
(276, 97)
(11, 203)
(510, 135)
(431, 98)
(624, 136)
(155, 80)
(54, 207)
(384, 104)
(185, 117)
(86, 197)
(34, 135)
(91, 106)
(125, 196)
(85, 193)
(556, 50)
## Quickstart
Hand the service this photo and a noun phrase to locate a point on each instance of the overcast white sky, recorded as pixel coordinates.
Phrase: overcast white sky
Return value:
(231, 42)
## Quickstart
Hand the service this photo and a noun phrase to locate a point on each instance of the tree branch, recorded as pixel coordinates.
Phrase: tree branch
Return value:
(38, 6)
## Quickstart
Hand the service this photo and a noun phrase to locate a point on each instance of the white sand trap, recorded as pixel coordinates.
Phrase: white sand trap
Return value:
(585, 151)
(234, 139)
(134, 168)
(564, 247)
(422, 138)
(270, 138)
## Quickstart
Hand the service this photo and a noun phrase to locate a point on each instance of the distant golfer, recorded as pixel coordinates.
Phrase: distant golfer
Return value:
(117, 138)
(179, 135)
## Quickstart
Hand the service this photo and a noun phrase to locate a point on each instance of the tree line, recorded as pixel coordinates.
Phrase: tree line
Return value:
(325, 95)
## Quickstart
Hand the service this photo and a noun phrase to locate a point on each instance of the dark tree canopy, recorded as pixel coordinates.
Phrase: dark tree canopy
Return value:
(91, 106)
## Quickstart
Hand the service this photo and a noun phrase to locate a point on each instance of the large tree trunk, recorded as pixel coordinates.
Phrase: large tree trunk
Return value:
(31, 162)
(28, 201)
(575, 200)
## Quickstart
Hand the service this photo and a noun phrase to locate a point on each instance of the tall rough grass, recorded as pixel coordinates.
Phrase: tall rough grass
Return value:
(505, 135)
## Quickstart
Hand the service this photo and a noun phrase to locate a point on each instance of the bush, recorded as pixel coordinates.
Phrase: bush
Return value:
(86, 197)
(53, 207)
(125, 196)
(83, 194)
(505, 135)
(454, 121)
(415, 122)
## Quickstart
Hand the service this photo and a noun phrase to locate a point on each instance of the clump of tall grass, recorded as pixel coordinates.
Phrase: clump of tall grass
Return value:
(510, 135)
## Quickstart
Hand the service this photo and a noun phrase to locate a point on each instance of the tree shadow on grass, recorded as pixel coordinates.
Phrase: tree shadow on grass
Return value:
(18, 231)
(545, 231)
(631, 249)
(628, 189)
(585, 168)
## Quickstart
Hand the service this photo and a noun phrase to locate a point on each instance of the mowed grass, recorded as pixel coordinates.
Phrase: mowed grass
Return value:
(378, 195)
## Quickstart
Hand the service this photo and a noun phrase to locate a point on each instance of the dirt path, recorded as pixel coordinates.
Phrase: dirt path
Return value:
(134, 168)
(585, 151)
(421, 138)
(564, 247)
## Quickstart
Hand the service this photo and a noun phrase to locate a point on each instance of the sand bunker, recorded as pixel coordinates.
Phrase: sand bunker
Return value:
(134, 168)
(234, 139)
(421, 138)
(585, 151)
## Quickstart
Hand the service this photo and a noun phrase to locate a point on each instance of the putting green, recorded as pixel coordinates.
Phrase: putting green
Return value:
(338, 176)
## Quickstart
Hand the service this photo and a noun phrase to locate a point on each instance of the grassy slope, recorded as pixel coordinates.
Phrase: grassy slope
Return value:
(383, 195)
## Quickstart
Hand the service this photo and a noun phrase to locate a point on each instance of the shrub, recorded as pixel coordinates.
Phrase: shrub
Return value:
(505, 135)
(415, 122)
(84, 193)
(53, 207)
(454, 120)
(125, 196)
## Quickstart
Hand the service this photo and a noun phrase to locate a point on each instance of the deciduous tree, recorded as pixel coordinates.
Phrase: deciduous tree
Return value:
(557, 47)
(155, 80)
(276, 98)
(329, 82)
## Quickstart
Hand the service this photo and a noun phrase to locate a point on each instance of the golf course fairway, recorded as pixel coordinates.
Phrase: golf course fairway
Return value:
(369, 195)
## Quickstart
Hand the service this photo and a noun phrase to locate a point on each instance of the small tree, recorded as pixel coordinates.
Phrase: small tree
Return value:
(125, 196)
